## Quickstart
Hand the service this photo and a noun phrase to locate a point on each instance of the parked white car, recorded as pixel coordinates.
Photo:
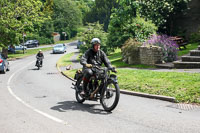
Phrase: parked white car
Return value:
(59, 48)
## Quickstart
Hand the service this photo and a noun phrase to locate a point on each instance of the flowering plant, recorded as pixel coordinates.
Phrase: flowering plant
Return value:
(169, 47)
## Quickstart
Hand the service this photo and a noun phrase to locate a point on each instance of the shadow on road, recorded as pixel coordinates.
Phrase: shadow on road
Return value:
(72, 105)
(33, 69)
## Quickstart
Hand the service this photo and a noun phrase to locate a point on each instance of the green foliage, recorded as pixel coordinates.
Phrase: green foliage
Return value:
(18, 17)
(120, 31)
(84, 6)
(95, 30)
(157, 11)
(130, 46)
(41, 39)
(195, 37)
(101, 12)
(67, 17)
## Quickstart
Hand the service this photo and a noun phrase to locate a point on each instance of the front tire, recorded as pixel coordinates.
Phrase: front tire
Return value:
(79, 98)
(110, 97)
(4, 70)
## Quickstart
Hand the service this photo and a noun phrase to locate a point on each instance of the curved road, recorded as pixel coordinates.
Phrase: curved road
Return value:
(42, 101)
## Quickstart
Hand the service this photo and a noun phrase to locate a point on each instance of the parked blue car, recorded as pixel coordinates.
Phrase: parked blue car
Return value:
(4, 64)
(13, 49)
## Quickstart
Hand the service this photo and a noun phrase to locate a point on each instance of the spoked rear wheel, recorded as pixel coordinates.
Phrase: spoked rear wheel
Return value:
(110, 97)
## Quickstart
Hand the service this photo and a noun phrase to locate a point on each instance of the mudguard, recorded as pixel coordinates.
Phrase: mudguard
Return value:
(112, 78)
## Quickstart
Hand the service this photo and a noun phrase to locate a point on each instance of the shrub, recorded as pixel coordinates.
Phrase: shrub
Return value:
(169, 47)
(136, 28)
(95, 30)
(130, 45)
(130, 51)
(41, 39)
(195, 37)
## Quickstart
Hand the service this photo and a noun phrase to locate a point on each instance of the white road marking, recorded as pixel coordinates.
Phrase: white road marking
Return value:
(27, 105)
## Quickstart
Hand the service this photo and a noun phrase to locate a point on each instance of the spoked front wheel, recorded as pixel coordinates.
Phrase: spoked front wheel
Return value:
(78, 89)
(79, 98)
(110, 97)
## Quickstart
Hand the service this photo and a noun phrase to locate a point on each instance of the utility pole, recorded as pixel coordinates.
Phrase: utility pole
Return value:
(23, 42)
(23, 37)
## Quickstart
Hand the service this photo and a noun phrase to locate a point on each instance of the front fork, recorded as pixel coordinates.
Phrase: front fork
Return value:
(111, 79)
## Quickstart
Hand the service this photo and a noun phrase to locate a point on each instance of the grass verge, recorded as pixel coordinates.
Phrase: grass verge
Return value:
(19, 54)
(65, 60)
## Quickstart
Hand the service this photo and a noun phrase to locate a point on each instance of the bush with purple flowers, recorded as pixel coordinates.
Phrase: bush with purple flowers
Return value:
(169, 47)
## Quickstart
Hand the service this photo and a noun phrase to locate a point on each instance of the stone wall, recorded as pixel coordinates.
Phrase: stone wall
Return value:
(131, 57)
(150, 55)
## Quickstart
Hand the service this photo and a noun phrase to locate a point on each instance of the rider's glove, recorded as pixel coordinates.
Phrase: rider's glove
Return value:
(113, 70)
(88, 65)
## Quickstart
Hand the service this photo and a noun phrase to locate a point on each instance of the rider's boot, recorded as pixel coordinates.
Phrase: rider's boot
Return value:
(36, 63)
(84, 90)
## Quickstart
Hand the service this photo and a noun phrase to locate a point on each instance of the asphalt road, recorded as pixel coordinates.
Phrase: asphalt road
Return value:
(42, 101)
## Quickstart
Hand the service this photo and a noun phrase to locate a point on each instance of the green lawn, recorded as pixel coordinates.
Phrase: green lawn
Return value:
(65, 60)
(189, 46)
(183, 86)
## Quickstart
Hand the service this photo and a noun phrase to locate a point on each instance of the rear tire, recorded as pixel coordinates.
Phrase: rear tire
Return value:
(110, 97)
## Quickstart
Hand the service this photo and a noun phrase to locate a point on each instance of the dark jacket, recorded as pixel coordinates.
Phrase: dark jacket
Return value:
(95, 58)
(40, 55)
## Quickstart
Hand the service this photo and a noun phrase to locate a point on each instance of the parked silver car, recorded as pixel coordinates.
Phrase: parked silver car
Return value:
(4, 64)
(59, 48)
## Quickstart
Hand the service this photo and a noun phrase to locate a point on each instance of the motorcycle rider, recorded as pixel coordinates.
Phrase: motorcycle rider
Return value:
(93, 56)
(39, 55)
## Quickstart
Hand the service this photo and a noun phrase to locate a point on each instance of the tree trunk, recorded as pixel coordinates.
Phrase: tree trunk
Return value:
(5, 52)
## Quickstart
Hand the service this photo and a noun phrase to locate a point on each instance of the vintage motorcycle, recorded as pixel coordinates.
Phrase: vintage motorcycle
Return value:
(102, 86)
(39, 64)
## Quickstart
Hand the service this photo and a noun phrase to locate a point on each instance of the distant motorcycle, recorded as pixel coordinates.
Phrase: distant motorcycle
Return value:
(39, 62)
(102, 85)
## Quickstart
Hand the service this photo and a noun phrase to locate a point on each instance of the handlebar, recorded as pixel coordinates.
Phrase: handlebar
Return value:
(100, 68)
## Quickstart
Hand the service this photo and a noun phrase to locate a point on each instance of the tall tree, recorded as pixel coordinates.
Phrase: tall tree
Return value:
(85, 7)
(157, 11)
(66, 17)
(101, 12)
(16, 17)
